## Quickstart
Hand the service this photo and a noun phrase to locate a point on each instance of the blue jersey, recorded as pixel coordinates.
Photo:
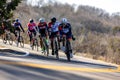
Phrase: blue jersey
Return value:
(65, 29)
(17, 24)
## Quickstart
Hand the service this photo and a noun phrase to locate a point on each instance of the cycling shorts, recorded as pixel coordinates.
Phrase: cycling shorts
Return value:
(54, 34)
(42, 32)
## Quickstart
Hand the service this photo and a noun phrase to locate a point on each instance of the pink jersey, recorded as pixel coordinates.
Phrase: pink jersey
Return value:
(31, 26)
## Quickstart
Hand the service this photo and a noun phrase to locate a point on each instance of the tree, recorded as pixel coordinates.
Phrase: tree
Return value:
(6, 9)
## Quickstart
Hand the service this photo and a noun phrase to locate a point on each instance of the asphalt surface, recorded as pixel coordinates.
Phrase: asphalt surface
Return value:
(17, 63)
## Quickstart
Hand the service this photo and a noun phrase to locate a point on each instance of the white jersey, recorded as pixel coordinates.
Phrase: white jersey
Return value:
(54, 27)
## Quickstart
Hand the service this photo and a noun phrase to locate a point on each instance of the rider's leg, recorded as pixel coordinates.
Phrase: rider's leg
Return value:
(41, 42)
(30, 36)
(15, 33)
(58, 38)
(51, 39)
(18, 37)
(52, 46)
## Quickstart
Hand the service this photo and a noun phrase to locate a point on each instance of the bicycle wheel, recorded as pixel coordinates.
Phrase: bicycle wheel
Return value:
(35, 44)
(46, 46)
(68, 50)
(32, 46)
(10, 39)
(47, 49)
(5, 39)
(56, 47)
(21, 41)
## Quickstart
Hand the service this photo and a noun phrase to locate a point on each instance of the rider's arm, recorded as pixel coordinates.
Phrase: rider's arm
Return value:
(46, 29)
(28, 26)
(21, 27)
(35, 28)
(38, 27)
(49, 28)
(70, 29)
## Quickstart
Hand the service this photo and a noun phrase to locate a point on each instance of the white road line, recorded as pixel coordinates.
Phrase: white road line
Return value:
(27, 53)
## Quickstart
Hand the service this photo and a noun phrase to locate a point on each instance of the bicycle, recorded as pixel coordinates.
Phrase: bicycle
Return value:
(45, 45)
(67, 47)
(7, 37)
(34, 42)
(20, 39)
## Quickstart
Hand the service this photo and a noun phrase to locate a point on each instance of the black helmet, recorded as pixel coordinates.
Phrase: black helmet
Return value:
(31, 20)
(53, 19)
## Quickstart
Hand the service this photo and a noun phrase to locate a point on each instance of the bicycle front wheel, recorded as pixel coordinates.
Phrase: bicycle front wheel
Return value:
(5, 39)
(46, 46)
(10, 39)
(35, 44)
(68, 50)
(21, 41)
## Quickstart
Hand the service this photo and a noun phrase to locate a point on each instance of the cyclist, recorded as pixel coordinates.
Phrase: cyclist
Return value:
(65, 29)
(4, 29)
(17, 26)
(32, 28)
(43, 30)
(53, 31)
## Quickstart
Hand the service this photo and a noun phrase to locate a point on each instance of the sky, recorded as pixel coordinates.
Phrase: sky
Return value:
(110, 6)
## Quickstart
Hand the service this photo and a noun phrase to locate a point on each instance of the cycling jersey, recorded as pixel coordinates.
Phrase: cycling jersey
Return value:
(31, 29)
(53, 26)
(31, 26)
(17, 24)
(53, 29)
(42, 28)
(18, 27)
(4, 27)
(65, 30)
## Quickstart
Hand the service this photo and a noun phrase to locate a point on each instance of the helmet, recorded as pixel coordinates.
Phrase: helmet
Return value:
(17, 20)
(64, 20)
(42, 20)
(31, 20)
(53, 19)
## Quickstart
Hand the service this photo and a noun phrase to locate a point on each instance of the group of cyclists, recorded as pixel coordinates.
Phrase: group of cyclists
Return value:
(49, 31)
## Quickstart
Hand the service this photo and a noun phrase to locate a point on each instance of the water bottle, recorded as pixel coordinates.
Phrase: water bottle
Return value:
(47, 41)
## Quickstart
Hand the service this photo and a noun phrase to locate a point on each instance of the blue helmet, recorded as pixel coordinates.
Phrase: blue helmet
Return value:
(17, 20)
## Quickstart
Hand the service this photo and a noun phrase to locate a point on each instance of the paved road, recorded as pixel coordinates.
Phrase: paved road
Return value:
(24, 64)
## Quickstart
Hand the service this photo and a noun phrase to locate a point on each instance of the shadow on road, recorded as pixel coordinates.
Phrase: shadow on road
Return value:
(95, 65)
(52, 59)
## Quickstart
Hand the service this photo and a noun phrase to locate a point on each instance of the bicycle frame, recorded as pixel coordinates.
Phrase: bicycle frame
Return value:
(7, 36)
(56, 44)
(45, 45)
(19, 38)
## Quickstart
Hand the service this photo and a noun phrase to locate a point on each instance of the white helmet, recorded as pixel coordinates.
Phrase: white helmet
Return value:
(42, 20)
(64, 20)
